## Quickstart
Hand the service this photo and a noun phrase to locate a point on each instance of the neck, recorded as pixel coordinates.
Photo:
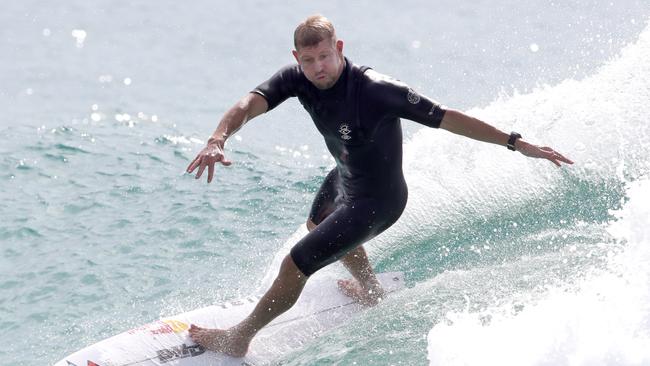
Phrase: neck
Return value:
(341, 68)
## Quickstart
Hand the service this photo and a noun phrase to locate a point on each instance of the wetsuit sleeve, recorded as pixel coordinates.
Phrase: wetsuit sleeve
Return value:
(399, 100)
(280, 86)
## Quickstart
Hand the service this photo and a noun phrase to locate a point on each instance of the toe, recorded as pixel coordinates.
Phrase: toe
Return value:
(349, 288)
(195, 332)
(195, 328)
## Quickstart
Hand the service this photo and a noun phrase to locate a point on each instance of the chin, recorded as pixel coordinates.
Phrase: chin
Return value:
(323, 84)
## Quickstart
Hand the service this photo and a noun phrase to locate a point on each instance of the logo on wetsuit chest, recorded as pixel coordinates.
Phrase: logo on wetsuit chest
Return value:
(345, 131)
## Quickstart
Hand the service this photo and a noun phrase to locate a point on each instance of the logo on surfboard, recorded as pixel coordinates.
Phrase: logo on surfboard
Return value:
(165, 326)
(178, 352)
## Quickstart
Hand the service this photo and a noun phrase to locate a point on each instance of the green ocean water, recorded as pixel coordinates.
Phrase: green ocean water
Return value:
(101, 231)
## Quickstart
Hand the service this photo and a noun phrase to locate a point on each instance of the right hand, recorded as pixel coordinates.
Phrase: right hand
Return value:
(210, 155)
(545, 152)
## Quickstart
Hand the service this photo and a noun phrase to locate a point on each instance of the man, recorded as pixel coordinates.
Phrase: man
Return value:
(358, 111)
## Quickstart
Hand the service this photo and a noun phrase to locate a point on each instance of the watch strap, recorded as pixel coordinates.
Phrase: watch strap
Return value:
(512, 139)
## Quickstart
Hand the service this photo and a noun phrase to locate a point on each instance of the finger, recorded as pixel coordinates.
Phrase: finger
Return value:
(557, 163)
(226, 162)
(564, 159)
(201, 169)
(560, 158)
(549, 155)
(192, 166)
(210, 172)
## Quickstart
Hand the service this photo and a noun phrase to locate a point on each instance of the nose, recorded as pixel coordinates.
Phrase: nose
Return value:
(320, 66)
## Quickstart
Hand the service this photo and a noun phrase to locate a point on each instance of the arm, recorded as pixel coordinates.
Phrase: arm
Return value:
(262, 99)
(247, 108)
(461, 124)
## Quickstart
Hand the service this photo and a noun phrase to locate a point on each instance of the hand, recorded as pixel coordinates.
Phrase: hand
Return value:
(210, 155)
(545, 152)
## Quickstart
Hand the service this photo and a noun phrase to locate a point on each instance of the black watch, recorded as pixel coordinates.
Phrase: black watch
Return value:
(511, 141)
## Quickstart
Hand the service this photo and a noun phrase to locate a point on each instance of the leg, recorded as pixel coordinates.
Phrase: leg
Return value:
(366, 289)
(284, 292)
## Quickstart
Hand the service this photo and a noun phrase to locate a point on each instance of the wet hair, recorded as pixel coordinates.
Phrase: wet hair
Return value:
(313, 30)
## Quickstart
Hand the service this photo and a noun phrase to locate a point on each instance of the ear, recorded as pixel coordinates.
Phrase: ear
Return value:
(295, 55)
(339, 46)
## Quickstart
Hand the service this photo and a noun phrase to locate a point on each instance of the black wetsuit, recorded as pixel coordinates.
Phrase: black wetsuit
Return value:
(359, 117)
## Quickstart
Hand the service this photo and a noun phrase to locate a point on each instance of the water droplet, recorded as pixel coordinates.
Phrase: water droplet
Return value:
(47, 32)
(127, 81)
(105, 78)
(534, 47)
(80, 36)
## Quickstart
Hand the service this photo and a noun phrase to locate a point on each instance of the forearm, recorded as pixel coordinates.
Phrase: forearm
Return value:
(462, 124)
(244, 110)
(230, 123)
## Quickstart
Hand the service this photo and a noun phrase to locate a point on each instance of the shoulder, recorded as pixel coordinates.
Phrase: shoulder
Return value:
(382, 86)
(291, 73)
(293, 69)
(287, 82)
(378, 81)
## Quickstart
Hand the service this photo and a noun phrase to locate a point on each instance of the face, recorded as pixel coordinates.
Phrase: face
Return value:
(322, 64)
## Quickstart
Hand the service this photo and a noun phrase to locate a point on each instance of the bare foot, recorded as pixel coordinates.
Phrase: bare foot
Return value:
(219, 340)
(354, 290)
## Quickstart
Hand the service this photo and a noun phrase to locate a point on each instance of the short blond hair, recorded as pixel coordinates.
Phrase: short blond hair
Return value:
(313, 30)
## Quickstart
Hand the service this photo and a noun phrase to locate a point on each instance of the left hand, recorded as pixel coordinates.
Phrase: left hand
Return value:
(545, 152)
(212, 153)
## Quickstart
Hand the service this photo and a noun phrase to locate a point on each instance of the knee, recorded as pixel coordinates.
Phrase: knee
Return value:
(290, 271)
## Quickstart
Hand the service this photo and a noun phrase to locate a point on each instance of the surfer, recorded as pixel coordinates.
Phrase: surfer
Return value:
(358, 112)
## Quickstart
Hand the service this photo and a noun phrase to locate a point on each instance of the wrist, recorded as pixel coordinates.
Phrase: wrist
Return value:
(219, 141)
(512, 141)
(520, 145)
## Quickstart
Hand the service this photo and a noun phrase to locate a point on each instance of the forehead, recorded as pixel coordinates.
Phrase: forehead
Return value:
(325, 45)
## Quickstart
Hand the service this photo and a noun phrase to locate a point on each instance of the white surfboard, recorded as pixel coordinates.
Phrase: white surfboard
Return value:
(166, 342)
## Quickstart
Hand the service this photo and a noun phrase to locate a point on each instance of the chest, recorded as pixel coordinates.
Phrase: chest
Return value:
(335, 118)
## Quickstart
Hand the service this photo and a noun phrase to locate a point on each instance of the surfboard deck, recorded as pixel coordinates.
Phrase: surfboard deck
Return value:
(320, 307)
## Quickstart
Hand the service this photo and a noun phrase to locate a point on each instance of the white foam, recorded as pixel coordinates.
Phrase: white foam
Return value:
(605, 322)
(601, 122)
